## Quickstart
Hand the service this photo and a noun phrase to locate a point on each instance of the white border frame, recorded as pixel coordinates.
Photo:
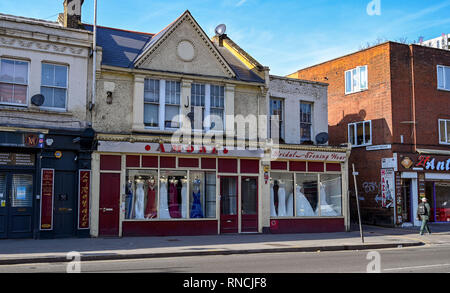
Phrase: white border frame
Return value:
(53, 199)
(79, 198)
(12, 83)
(445, 130)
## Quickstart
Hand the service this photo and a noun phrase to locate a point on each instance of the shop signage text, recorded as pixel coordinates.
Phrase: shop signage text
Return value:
(14, 159)
(83, 198)
(309, 155)
(48, 176)
(430, 163)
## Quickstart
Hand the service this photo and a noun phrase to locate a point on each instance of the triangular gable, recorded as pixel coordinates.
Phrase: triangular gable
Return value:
(149, 55)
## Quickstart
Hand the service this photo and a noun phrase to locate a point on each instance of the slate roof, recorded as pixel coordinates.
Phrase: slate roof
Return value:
(122, 47)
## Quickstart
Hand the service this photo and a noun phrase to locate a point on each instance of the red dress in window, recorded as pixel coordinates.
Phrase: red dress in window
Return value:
(151, 210)
(174, 207)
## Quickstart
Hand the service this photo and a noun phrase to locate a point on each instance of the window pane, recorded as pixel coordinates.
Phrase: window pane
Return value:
(330, 195)
(173, 195)
(172, 92)
(355, 76)
(367, 133)
(21, 72)
(7, 70)
(306, 195)
(351, 134)
(60, 76)
(171, 113)
(359, 133)
(48, 96)
(249, 196)
(216, 118)
(348, 82)
(20, 94)
(151, 90)
(447, 77)
(202, 198)
(440, 73)
(6, 93)
(59, 98)
(151, 115)
(141, 195)
(305, 132)
(448, 131)
(198, 95)
(228, 193)
(281, 195)
(48, 74)
(363, 77)
(22, 190)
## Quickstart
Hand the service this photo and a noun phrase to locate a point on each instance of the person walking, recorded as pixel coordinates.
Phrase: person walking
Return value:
(423, 214)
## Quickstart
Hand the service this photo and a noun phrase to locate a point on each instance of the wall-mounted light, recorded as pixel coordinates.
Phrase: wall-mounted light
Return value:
(109, 97)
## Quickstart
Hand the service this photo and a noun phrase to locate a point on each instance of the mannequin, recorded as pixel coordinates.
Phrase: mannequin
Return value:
(325, 208)
(304, 208)
(183, 198)
(129, 200)
(282, 199)
(163, 207)
(276, 188)
(139, 204)
(273, 211)
(174, 207)
(196, 210)
(290, 205)
(151, 210)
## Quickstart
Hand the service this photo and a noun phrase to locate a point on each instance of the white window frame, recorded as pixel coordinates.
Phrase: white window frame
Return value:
(445, 87)
(154, 103)
(27, 84)
(56, 87)
(281, 118)
(208, 108)
(312, 119)
(446, 139)
(357, 77)
(355, 133)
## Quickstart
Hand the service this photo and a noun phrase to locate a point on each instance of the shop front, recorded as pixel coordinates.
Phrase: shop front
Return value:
(424, 175)
(19, 166)
(308, 190)
(160, 189)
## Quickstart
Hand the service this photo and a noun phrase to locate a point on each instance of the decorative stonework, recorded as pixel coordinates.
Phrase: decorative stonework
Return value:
(40, 46)
(186, 51)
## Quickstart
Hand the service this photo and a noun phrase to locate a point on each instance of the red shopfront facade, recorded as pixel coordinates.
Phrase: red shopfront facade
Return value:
(152, 189)
(308, 190)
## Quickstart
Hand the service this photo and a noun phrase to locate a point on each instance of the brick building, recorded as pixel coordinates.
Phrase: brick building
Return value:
(392, 103)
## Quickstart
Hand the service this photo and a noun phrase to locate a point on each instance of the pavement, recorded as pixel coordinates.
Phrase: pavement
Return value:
(23, 251)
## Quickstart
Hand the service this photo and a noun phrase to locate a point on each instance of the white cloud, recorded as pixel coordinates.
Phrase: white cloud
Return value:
(240, 3)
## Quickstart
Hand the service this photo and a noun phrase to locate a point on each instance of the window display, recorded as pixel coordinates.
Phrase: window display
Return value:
(202, 195)
(281, 195)
(330, 195)
(306, 195)
(140, 195)
(174, 180)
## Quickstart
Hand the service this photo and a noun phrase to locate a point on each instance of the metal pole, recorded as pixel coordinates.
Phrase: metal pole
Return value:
(357, 204)
(94, 60)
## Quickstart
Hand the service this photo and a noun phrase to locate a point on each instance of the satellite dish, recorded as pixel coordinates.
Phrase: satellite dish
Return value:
(322, 138)
(37, 100)
(221, 29)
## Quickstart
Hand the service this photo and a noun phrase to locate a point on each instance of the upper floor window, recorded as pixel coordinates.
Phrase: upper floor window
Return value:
(54, 85)
(356, 80)
(151, 102)
(443, 77)
(217, 107)
(305, 121)
(444, 131)
(277, 116)
(198, 94)
(360, 133)
(172, 104)
(13, 82)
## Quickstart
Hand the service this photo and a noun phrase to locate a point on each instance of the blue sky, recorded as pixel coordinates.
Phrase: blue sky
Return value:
(285, 35)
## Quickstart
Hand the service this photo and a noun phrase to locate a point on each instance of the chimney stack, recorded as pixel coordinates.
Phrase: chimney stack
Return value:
(71, 18)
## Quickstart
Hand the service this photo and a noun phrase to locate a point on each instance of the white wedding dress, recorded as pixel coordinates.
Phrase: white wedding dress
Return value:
(273, 211)
(304, 208)
(282, 200)
(139, 204)
(290, 205)
(325, 209)
(163, 201)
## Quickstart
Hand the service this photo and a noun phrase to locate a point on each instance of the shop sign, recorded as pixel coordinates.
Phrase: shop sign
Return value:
(387, 188)
(84, 188)
(431, 163)
(16, 159)
(47, 190)
(399, 199)
(309, 155)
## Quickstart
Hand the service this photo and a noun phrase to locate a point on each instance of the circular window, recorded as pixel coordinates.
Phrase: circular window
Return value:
(186, 51)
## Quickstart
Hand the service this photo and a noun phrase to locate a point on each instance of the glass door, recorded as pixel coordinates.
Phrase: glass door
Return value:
(249, 204)
(228, 205)
(20, 206)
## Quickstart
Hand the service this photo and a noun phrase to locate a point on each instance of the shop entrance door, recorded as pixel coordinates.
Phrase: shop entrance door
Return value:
(16, 205)
(249, 204)
(109, 204)
(64, 204)
(228, 204)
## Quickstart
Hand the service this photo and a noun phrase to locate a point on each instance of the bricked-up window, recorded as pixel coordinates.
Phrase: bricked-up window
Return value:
(13, 82)
(360, 133)
(305, 121)
(54, 85)
(356, 80)
(444, 131)
(443, 76)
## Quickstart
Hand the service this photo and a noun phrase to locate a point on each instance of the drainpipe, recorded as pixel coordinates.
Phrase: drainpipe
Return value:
(94, 61)
(413, 102)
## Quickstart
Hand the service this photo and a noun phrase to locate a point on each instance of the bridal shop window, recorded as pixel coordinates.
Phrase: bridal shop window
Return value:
(307, 196)
(173, 195)
(141, 194)
(281, 195)
(330, 195)
(202, 195)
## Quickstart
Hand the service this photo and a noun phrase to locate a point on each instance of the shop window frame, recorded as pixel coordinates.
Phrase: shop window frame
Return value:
(446, 140)
(19, 84)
